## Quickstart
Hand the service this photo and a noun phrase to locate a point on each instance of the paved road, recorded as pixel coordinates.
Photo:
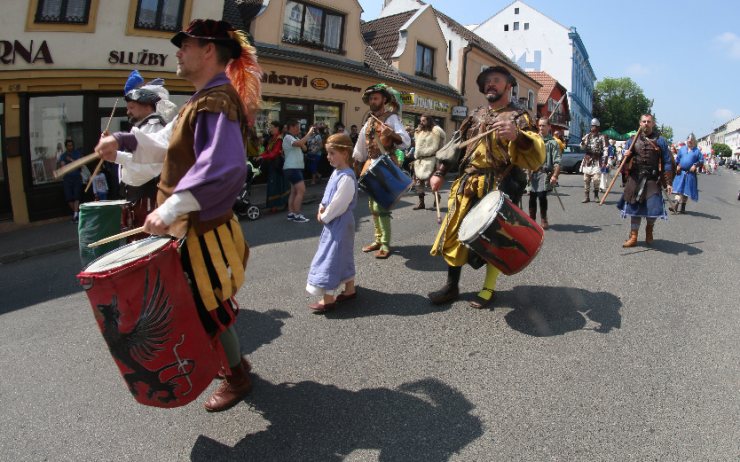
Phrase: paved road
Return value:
(592, 353)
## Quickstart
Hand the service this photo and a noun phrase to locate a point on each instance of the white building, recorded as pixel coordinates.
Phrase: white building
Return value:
(538, 43)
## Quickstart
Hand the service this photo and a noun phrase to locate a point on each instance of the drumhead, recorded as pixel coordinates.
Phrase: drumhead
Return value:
(118, 202)
(480, 217)
(128, 253)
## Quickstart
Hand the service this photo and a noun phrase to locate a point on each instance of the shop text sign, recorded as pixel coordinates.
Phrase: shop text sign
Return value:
(431, 104)
(30, 52)
(319, 83)
(142, 58)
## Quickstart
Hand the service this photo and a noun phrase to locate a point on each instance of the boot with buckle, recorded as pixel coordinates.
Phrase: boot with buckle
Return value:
(232, 390)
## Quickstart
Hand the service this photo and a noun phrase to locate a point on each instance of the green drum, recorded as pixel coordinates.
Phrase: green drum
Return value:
(99, 220)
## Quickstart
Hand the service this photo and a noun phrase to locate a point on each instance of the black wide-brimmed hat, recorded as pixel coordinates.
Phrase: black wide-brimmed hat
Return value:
(211, 30)
(481, 79)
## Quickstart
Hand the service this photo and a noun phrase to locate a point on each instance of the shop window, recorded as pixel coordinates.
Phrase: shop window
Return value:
(52, 120)
(326, 114)
(312, 26)
(424, 61)
(270, 112)
(159, 15)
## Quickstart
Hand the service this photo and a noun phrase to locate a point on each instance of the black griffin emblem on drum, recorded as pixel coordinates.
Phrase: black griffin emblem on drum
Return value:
(144, 342)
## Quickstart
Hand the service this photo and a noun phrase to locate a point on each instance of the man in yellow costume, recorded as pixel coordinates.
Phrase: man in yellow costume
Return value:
(494, 161)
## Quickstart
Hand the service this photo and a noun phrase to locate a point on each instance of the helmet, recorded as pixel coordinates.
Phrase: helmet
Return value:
(143, 96)
(596, 122)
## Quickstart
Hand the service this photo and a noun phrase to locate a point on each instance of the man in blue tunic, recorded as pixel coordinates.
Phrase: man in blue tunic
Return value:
(688, 161)
(648, 171)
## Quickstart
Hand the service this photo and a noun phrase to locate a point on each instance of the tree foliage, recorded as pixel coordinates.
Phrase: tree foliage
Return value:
(618, 103)
(667, 132)
(722, 150)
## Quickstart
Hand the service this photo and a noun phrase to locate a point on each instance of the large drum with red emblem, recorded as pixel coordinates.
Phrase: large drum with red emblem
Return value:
(145, 310)
(501, 233)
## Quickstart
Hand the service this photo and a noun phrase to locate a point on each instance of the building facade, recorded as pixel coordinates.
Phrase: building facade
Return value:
(467, 54)
(552, 101)
(65, 63)
(538, 43)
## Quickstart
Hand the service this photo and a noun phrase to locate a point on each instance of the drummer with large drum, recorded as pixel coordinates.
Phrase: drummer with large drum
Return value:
(381, 135)
(507, 142)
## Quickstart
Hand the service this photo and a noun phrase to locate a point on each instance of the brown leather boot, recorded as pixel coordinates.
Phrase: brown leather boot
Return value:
(632, 241)
(587, 199)
(649, 234)
(420, 205)
(222, 373)
(232, 390)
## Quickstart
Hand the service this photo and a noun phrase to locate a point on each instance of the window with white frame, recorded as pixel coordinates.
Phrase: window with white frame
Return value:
(63, 11)
(313, 26)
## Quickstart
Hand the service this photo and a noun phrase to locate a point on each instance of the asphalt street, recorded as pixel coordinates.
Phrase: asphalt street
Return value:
(593, 352)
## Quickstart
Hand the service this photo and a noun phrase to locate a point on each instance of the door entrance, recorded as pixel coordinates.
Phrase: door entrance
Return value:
(6, 211)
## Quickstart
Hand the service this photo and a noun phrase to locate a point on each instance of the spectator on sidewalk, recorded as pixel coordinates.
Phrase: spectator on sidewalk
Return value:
(100, 187)
(72, 181)
(293, 148)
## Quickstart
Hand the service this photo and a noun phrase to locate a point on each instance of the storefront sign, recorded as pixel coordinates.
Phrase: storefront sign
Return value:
(282, 79)
(432, 104)
(9, 51)
(320, 84)
(143, 57)
(459, 112)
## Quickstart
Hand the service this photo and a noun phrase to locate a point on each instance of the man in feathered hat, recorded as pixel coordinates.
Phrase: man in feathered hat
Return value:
(148, 109)
(204, 168)
(509, 142)
(383, 133)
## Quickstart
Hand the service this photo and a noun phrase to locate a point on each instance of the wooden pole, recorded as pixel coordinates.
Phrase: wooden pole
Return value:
(105, 132)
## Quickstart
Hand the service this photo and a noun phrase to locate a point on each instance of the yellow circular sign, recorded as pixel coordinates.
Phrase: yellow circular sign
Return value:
(320, 84)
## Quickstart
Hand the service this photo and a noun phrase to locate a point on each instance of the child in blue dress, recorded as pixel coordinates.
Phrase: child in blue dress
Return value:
(332, 273)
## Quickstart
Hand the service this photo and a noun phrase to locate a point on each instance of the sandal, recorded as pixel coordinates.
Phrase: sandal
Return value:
(479, 302)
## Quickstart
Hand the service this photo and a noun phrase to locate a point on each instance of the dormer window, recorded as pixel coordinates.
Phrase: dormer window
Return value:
(312, 26)
(424, 61)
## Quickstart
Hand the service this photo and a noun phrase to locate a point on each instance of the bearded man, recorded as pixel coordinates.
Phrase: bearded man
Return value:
(428, 138)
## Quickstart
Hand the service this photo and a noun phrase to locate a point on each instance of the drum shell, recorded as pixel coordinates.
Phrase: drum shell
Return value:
(185, 359)
(99, 220)
(384, 182)
(510, 242)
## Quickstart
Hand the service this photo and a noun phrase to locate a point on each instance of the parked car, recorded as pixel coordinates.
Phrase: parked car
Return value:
(572, 158)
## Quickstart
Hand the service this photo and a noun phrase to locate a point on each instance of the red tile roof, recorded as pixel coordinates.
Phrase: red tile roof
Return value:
(548, 83)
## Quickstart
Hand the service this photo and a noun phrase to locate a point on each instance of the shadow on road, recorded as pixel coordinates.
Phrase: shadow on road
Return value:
(418, 258)
(669, 247)
(423, 420)
(547, 311)
(701, 215)
(578, 229)
(256, 329)
(371, 302)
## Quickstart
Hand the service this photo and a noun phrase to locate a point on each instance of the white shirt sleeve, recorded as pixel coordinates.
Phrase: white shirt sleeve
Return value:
(180, 203)
(152, 147)
(360, 152)
(341, 200)
(395, 123)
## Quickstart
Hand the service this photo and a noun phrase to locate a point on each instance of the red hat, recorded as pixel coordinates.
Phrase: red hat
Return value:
(211, 30)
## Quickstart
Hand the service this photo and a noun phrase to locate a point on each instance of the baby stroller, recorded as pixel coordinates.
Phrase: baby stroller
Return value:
(243, 206)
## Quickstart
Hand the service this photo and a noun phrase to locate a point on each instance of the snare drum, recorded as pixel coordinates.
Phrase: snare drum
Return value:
(146, 313)
(385, 182)
(501, 233)
(99, 220)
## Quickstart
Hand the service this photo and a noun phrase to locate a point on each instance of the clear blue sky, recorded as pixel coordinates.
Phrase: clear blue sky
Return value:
(684, 55)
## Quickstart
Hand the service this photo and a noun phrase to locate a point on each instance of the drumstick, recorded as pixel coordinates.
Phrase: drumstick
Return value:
(118, 236)
(75, 165)
(383, 123)
(439, 215)
(100, 164)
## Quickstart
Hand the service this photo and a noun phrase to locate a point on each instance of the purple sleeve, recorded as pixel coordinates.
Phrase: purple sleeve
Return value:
(126, 141)
(220, 164)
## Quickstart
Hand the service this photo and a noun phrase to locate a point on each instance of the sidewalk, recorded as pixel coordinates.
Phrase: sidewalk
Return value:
(18, 242)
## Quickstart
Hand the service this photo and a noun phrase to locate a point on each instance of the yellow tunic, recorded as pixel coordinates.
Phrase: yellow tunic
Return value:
(488, 163)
